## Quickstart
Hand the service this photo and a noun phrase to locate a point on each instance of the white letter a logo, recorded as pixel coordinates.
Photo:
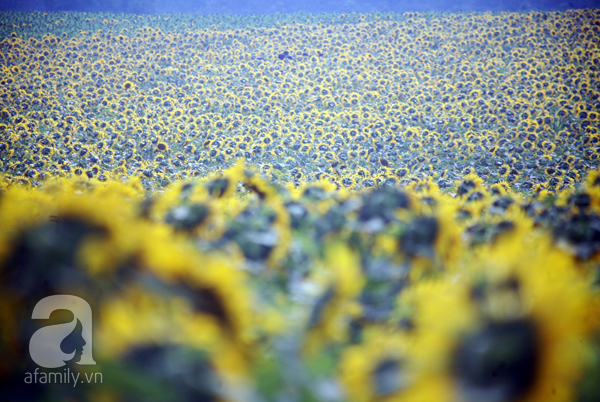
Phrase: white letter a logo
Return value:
(44, 346)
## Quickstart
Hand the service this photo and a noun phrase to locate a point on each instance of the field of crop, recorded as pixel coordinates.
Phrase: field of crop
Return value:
(295, 208)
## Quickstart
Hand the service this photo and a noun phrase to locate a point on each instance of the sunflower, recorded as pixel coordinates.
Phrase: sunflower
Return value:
(341, 282)
(377, 368)
(525, 299)
(162, 147)
(127, 85)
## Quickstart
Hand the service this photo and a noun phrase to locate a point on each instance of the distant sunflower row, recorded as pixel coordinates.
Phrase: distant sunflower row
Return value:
(358, 101)
(231, 288)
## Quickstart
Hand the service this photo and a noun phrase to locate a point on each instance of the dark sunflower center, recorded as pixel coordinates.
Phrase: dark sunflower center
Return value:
(387, 377)
(498, 363)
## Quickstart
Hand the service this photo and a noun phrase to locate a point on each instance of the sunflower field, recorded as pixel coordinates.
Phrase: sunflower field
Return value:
(304, 207)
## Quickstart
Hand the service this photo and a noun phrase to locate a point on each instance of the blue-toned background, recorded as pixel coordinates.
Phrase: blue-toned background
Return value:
(272, 6)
